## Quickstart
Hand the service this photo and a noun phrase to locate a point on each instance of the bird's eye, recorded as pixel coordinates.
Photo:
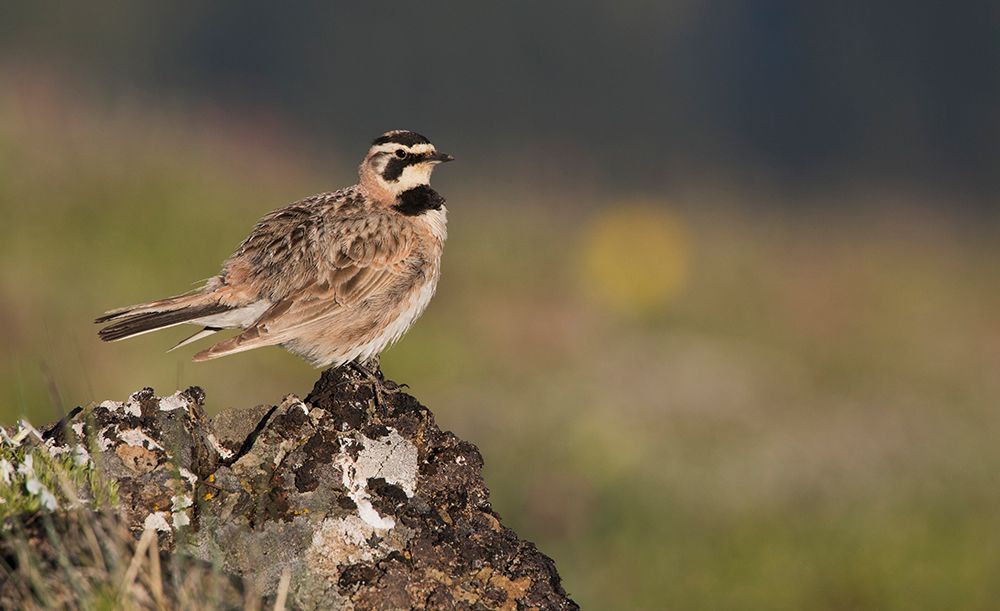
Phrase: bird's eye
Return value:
(400, 153)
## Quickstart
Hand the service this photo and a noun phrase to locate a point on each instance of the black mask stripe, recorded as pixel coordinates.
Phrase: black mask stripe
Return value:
(394, 169)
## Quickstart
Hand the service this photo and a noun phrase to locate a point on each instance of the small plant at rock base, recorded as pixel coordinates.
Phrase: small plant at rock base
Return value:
(36, 474)
(63, 545)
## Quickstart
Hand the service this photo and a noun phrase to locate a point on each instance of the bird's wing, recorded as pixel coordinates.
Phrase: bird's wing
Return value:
(280, 253)
(315, 270)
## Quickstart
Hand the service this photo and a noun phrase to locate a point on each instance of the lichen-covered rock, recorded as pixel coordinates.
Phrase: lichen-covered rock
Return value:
(357, 494)
(152, 448)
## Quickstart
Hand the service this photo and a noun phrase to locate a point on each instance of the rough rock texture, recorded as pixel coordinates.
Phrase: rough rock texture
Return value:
(362, 498)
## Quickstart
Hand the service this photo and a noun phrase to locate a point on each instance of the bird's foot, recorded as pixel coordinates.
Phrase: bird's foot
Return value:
(380, 386)
(392, 387)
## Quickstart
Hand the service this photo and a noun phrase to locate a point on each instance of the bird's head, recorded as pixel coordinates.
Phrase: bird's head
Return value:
(398, 161)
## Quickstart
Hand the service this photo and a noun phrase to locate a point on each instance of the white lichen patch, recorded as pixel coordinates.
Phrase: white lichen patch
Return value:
(344, 540)
(54, 450)
(284, 448)
(134, 437)
(190, 477)
(137, 438)
(157, 520)
(111, 406)
(81, 457)
(392, 458)
(222, 451)
(181, 519)
(103, 441)
(357, 489)
(133, 407)
(174, 401)
(349, 540)
(179, 508)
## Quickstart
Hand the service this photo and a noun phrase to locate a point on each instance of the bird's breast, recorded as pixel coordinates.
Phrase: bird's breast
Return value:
(434, 222)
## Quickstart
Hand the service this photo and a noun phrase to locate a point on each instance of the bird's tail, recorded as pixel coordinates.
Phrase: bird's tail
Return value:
(155, 315)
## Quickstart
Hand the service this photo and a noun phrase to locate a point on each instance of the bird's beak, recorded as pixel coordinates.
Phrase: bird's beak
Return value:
(440, 158)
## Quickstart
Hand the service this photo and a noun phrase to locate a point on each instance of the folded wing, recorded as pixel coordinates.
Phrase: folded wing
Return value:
(316, 273)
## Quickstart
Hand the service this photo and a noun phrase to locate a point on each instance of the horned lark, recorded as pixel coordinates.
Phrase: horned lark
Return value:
(334, 278)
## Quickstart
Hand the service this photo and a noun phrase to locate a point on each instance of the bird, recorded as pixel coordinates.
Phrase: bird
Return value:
(334, 278)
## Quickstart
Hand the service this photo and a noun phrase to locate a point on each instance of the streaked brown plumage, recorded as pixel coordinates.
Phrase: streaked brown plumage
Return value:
(334, 278)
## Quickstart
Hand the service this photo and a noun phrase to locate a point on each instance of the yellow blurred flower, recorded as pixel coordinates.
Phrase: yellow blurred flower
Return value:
(636, 257)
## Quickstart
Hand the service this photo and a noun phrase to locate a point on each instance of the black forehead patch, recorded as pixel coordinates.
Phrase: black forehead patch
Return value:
(401, 137)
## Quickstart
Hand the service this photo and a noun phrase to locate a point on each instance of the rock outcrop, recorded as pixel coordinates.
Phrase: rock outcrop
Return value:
(357, 495)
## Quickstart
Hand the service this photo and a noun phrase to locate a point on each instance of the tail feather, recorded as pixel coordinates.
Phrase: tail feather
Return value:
(141, 320)
(193, 338)
(248, 340)
(195, 298)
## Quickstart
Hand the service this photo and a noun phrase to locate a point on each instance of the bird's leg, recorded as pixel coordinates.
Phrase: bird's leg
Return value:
(380, 386)
(373, 379)
(373, 365)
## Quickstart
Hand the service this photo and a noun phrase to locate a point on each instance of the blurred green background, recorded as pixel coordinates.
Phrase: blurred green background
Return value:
(720, 301)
